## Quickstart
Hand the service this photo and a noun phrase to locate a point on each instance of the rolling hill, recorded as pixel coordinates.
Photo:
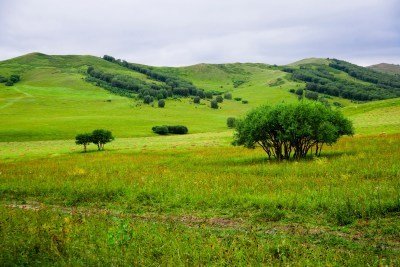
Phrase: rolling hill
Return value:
(386, 68)
(55, 100)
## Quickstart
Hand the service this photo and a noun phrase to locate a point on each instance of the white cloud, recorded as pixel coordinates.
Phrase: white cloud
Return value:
(183, 32)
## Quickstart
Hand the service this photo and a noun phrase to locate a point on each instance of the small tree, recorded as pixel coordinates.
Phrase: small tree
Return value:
(196, 100)
(209, 95)
(83, 139)
(228, 96)
(161, 103)
(230, 122)
(214, 104)
(101, 137)
(219, 99)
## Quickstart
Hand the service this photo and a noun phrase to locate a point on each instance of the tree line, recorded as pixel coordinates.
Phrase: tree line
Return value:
(321, 79)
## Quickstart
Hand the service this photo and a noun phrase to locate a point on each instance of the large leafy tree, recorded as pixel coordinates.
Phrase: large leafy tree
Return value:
(101, 137)
(291, 129)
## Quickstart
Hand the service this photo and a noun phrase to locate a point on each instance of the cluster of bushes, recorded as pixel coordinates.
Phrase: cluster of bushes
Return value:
(165, 129)
(98, 137)
(321, 79)
(11, 80)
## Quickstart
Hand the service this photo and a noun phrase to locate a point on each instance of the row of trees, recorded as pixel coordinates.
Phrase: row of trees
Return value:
(321, 79)
(98, 137)
(294, 129)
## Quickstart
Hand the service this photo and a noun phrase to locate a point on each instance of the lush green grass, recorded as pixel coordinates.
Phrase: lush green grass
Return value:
(191, 199)
(150, 203)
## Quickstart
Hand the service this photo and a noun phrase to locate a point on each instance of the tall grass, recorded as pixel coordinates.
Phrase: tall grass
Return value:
(192, 206)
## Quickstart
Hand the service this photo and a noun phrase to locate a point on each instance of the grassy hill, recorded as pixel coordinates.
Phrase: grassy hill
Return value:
(54, 102)
(386, 68)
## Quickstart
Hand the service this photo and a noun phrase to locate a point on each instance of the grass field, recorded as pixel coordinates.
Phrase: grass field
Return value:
(186, 200)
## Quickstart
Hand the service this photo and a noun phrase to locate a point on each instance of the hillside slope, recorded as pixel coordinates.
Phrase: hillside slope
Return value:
(53, 100)
(386, 68)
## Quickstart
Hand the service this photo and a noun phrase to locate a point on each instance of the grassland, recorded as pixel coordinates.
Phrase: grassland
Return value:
(186, 200)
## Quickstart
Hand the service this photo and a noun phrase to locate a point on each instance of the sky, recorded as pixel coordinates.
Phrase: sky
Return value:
(187, 32)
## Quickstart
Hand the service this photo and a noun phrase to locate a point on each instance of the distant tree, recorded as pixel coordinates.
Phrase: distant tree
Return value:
(214, 104)
(311, 95)
(83, 139)
(161, 103)
(101, 137)
(230, 122)
(299, 92)
(245, 101)
(147, 99)
(15, 78)
(228, 96)
(209, 95)
(161, 130)
(201, 94)
(196, 100)
(219, 99)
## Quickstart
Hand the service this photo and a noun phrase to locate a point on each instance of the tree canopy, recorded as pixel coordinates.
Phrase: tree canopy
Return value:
(101, 137)
(291, 129)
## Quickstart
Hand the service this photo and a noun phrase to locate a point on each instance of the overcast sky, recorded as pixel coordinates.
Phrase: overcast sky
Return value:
(186, 32)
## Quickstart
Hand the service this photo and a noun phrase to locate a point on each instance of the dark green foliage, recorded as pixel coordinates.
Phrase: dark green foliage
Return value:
(11, 80)
(228, 96)
(299, 92)
(237, 83)
(295, 128)
(231, 122)
(201, 94)
(101, 137)
(161, 103)
(196, 100)
(170, 82)
(219, 99)
(322, 79)
(175, 129)
(311, 95)
(209, 95)
(83, 139)
(161, 130)
(237, 98)
(293, 91)
(214, 104)
(147, 99)
(245, 101)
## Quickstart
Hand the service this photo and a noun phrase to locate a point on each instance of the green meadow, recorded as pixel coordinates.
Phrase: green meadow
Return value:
(194, 199)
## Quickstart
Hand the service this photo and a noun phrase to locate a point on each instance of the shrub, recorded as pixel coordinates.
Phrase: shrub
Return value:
(299, 91)
(228, 96)
(311, 95)
(214, 104)
(196, 100)
(245, 102)
(209, 95)
(237, 98)
(147, 99)
(178, 129)
(219, 99)
(161, 130)
(161, 103)
(230, 122)
(292, 91)
(174, 129)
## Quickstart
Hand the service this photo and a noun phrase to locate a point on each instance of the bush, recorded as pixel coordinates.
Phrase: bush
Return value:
(228, 96)
(178, 129)
(311, 95)
(299, 92)
(209, 95)
(214, 104)
(245, 102)
(219, 99)
(293, 91)
(161, 103)
(237, 98)
(230, 122)
(174, 129)
(147, 99)
(196, 100)
(162, 130)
